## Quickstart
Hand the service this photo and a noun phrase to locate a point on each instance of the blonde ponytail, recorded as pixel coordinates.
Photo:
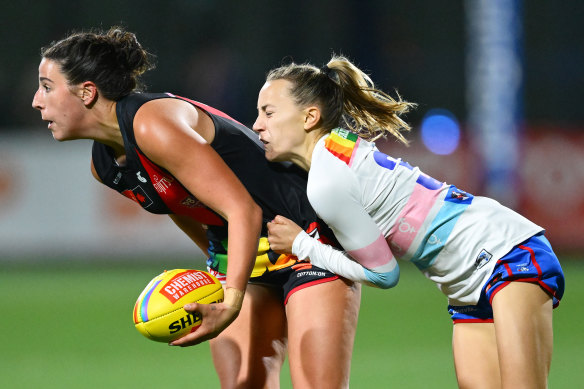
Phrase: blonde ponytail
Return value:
(347, 98)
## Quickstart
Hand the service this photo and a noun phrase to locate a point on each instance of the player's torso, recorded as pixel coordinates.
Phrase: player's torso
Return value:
(451, 235)
(278, 188)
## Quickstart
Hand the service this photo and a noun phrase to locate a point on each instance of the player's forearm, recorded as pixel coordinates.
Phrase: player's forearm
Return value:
(336, 261)
(243, 231)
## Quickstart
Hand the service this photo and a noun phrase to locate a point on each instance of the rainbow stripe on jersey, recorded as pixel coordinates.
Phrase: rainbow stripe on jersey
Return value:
(342, 144)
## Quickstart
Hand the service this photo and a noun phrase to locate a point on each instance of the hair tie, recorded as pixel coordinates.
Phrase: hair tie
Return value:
(326, 70)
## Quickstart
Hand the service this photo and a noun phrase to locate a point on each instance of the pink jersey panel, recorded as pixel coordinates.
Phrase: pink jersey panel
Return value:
(373, 255)
(411, 219)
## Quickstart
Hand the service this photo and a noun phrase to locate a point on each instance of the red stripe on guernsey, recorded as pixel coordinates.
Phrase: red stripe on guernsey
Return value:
(497, 289)
(311, 283)
(544, 286)
(472, 321)
(537, 280)
(509, 271)
(205, 107)
(533, 260)
(176, 197)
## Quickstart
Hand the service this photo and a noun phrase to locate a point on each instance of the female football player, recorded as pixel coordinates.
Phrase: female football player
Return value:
(496, 267)
(176, 156)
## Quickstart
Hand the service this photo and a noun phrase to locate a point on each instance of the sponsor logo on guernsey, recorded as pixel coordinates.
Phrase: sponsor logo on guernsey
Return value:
(184, 283)
(140, 178)
(313, 231)
(138, 195)
(314, 234)
(191, 202)
(458, 196)
(118, 178)
(483, 258)
(161, 184)
(310, 273)
(464, 309)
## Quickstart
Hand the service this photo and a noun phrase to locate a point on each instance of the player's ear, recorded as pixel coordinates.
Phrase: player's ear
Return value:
(311, 118)
(88, 93)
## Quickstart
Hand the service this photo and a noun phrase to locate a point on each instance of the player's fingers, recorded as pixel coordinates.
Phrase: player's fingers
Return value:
(279, 219)
(194, 307)
(273, 230)
(199, 336)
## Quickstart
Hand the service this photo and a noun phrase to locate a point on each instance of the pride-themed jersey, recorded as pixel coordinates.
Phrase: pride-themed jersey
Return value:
(381, 208)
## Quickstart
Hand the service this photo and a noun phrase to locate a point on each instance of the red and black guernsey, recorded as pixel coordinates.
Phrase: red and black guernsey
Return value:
(278, 188)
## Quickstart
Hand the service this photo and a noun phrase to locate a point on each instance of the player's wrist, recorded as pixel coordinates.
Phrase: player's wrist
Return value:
(301, 245)
(233, 297)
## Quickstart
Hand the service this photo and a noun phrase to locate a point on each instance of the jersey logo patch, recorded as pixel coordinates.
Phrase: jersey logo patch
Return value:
(456, 195)
(138, 195)
(483, 258)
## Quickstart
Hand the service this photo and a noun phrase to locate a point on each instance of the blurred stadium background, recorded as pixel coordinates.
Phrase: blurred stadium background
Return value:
(499, 83)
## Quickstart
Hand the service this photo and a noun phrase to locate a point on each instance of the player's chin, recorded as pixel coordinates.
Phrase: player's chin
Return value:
(61, 136)
(274, 156)
(57, 137)
(271, 156)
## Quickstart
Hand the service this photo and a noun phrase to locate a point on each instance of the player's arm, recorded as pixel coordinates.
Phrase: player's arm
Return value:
(287, 237)
(165, 131)
(337, 202)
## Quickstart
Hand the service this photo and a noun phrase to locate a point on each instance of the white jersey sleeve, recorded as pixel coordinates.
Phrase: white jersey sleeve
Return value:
(381, 208)
(334, 193)
(327, 257)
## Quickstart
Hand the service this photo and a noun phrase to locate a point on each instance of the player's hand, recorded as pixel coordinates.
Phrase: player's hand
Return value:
(281, 234)
(215, 318)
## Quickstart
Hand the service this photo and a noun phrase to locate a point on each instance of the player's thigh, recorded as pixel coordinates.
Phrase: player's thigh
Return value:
(523, 322)
(322, 321)
(476, 361)
(250, 352)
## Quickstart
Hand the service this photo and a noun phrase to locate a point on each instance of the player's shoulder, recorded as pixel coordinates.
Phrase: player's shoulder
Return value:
(326, 169)
(340, 144)
(330, 179)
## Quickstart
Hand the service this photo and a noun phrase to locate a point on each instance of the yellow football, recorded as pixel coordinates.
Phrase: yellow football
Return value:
(159, 314)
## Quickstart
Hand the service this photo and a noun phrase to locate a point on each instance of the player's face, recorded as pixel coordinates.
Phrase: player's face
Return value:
(280, 122)
(59, 103)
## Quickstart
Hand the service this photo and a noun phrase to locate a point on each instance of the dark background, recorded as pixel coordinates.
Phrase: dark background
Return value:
(219, 51)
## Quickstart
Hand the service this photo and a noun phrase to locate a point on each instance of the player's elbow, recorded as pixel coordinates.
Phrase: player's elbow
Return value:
(390, 281)
(247, 214)
(256, 216)
(384, 280)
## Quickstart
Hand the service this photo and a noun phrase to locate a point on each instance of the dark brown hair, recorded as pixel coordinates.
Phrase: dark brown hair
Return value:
(113, 60)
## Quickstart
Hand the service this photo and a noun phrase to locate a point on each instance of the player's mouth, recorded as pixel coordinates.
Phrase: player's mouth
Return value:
(50, 123)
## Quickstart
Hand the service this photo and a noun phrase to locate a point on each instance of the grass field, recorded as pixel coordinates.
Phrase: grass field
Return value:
(69, 325)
